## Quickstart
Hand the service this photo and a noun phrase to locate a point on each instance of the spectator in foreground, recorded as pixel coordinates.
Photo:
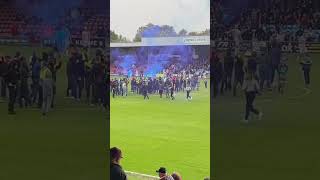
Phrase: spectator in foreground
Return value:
(176, 176)
(116, 171)
(163, 174)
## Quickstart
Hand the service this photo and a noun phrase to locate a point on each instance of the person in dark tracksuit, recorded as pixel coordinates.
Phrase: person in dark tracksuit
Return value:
(172, 91)
(145, 90)
(54, 66)
(3, 70)
(80, 74)
(88, 80)
(69, 76)
(71, 72)
(306, 64)
(24, 84)
(161, 86)
(12, 78)
(228, 67)
(205, 82)
(99, 77)
(35, 77)
(251, 88)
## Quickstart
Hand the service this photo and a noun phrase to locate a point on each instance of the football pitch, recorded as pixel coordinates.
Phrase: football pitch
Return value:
(70, 143)
(283, 145)
(163, 133)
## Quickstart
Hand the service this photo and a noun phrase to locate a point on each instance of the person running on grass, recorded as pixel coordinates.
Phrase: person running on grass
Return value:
(251, 88)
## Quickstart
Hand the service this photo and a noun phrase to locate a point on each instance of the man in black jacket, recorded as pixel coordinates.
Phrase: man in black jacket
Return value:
(116, 171)
(12, 78)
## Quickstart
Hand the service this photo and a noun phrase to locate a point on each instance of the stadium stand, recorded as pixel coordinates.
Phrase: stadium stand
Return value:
(265, 21)
(15, 24)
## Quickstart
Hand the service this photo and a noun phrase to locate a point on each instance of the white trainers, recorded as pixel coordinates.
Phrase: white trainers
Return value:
(244, 121)
(260, 116)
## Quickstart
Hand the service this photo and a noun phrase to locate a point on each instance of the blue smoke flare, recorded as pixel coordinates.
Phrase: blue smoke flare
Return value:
(153, 59)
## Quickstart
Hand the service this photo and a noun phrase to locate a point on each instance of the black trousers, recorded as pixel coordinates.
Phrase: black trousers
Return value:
(160, 92)
(250, 96)
(35, 90)
(171, 95)
(69, 88)
(12, 97)
(306, 74)
(113, 92)
(24, 94)
(40, 99)
(188, 95)
(145, 95)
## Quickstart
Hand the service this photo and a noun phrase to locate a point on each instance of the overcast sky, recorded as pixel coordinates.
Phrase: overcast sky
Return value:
(128, 15)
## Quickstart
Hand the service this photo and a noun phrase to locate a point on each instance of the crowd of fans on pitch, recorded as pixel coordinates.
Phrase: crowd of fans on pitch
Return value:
(175, 77)
(32, 81)
(262, 23)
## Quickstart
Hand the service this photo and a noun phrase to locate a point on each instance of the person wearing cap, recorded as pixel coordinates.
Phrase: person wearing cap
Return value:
(163, 174)
(12, 79)
(116, 171)
(306, 64)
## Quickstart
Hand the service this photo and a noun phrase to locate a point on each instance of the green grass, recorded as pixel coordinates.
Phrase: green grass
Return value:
(68, 144)
(284, 145)
(160, 132)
